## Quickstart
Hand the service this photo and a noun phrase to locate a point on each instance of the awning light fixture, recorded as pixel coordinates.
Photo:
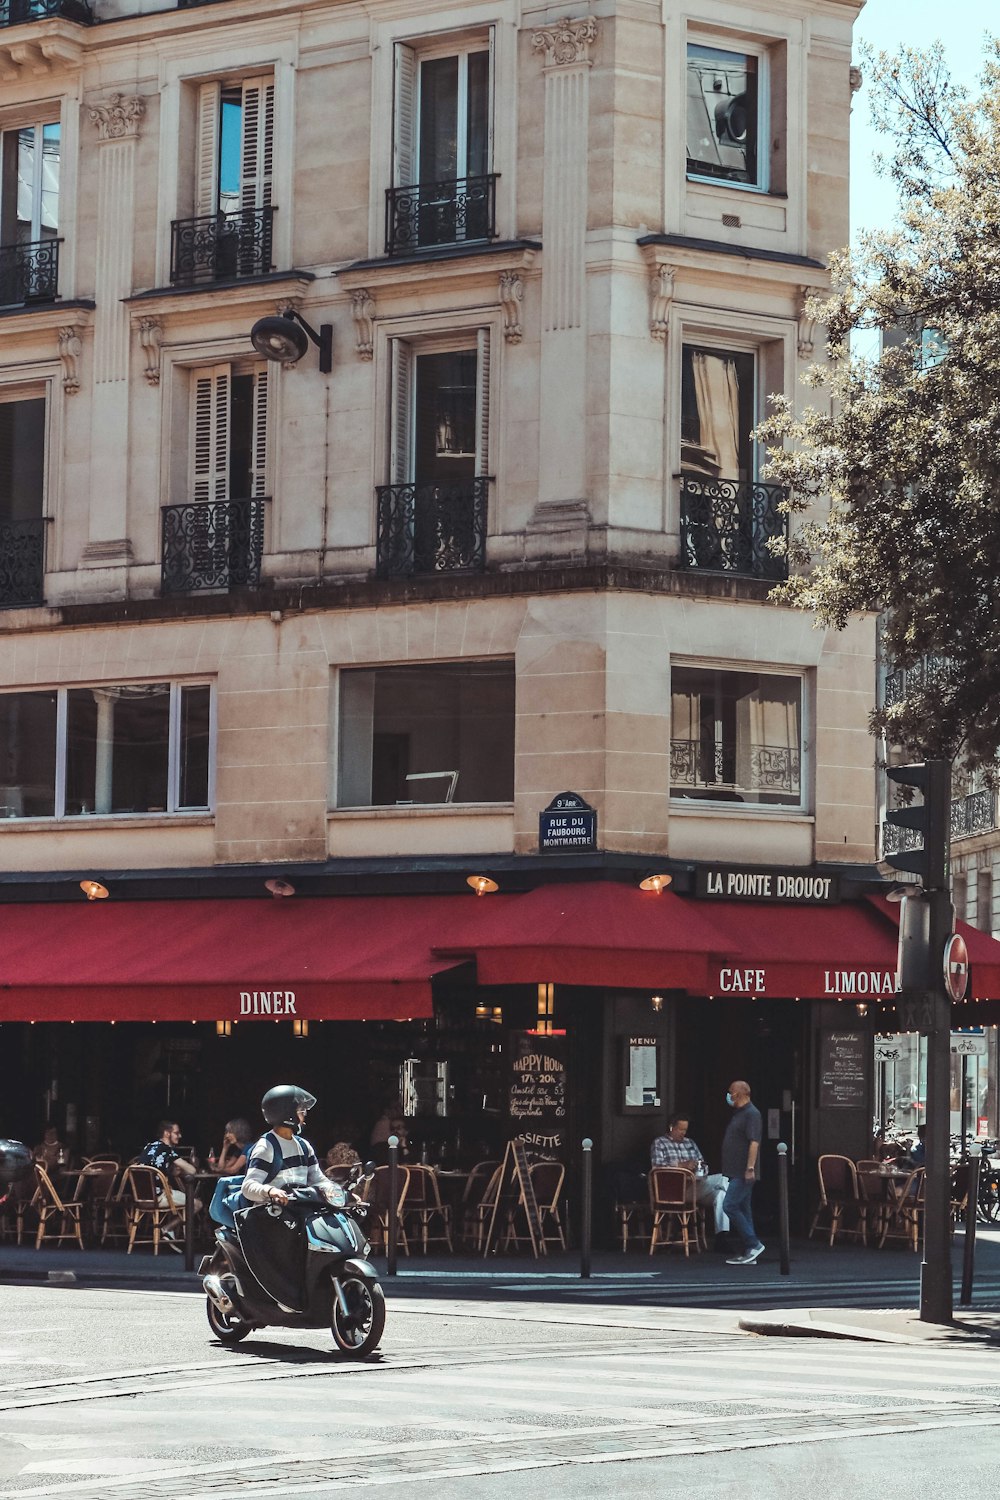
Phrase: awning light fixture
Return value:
(546, 1009)
(482, 884)
(482, 1011)
(223, 1028)
(94, 890)
(657, 883)
(300, 1027)
(279, 888)
(656, 1001)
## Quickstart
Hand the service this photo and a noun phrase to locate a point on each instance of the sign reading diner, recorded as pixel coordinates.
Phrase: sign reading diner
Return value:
(741, 883)
(267, 1003)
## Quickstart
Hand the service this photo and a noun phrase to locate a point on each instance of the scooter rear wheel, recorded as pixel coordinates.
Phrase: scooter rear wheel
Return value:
(358, 1331)
(226, 1330)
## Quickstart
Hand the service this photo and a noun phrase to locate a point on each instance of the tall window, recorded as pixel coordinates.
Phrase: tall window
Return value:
(235, 146)
(29, 184)
(718, 413)
(440, 733)
(228, 449)
(22, 459)
(726, 129)
(139, 748)
(736, 736)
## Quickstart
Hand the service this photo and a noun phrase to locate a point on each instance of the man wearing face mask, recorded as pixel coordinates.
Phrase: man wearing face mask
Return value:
(740, 1163)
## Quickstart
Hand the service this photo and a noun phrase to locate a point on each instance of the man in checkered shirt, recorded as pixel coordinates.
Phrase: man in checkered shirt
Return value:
(677, 1149)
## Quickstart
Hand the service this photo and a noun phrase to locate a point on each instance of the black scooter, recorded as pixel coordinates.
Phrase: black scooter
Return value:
(300, 1265)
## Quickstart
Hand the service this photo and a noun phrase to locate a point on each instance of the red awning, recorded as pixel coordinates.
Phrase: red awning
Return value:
(984, 952)
(345, 958)
(595, 934)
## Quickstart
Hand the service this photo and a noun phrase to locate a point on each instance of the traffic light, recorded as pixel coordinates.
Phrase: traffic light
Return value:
(932, 818)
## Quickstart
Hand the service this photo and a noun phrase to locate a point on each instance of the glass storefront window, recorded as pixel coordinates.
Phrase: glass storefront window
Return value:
(901, 1082)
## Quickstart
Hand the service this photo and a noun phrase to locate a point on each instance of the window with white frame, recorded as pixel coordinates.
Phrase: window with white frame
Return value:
(736, 736)
(719, 411)
(29, 212)
(135, 748)
(235, 146)
(443, 191)
(437, 733)
(22, 458)
(227, 448)
(728, 114)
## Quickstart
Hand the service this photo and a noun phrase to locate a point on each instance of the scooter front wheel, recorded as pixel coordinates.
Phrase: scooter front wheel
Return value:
(357, 1330)
(226, 1330)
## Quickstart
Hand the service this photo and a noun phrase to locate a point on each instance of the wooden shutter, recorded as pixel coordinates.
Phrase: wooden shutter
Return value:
(482, 402)
(210, 434)
(259, 479)
(401, 421)
(206, 190)
(404, 117)
(491, 107)
(257, 143)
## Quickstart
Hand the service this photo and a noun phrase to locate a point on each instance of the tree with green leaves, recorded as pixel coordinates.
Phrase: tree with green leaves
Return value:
(905, 450)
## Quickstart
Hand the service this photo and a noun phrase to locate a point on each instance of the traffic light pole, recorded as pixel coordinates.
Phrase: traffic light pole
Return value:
(936, 1291)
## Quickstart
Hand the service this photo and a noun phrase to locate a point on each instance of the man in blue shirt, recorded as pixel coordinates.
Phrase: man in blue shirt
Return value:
(740, 1163)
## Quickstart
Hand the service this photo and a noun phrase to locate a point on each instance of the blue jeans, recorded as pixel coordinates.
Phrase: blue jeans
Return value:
(736, 1206)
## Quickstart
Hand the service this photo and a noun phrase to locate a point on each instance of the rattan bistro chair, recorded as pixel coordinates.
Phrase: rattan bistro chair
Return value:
(423, 1210)
(58, 1218)
(673, 1204)
(149, 1203)
(838, 1198)
(377, 1194)
(95, 1188)
(905, 1217)
(476, 1185)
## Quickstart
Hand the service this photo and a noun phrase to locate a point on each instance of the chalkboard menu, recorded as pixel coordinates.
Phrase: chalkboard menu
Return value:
(843, 1060)
(536, 1092)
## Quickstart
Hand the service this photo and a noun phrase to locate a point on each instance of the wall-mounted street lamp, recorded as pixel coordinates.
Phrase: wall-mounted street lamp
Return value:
(286, 338)
(94, 890)
(656, 883)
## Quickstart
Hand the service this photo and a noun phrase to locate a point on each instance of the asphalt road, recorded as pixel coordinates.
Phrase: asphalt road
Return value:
(124, 1395)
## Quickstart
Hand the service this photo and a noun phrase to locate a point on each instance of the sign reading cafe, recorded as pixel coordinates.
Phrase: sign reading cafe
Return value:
(839, 984)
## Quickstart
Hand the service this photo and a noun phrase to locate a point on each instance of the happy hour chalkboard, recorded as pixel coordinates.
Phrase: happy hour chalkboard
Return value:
(843, 1061)
(536, 1092)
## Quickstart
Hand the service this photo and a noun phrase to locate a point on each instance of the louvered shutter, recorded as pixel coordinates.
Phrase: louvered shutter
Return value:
(210, 434)
(491, 103)
(483, 402)
(404, 121)
(401, 437)
(207, 150)
(259, 480)
(257, 143)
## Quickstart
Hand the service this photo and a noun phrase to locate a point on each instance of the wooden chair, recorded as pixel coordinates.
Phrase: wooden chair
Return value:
(146, 1195)
(21, 1202)
(476, 1184)
(673, 1205)
(872, 1201)
(95, 1187)
(58, 1219)
(115, 1218)
(423, 1207)
(479, 1216)
(838, 1196)
(904, 1219)
(377, 1194)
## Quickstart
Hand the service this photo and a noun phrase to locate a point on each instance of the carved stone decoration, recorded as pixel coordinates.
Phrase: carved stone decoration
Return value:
(117, 119)
(567, 43)
(363, 313)
(856, 78)
(807, 324)
(70, 349)
(511, 297)
(151, 337)
(661, 294)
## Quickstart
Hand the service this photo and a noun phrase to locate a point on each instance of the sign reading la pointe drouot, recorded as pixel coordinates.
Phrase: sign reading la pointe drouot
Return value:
(746, 883)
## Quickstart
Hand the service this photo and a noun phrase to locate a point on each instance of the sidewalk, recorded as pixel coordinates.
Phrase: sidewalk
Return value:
(845, 1292)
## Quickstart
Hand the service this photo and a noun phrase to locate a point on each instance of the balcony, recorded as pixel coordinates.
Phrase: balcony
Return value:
(900, 840)
(29, 273)
(901, 681)
(221, 247)
(213, 545)
(15, 12)
(726, 526)
(701, 769)
(974, 813)
(22, 562)
(431, 528)
(429, 214)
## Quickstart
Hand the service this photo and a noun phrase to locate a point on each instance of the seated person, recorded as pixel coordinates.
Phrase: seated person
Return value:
(918, 1151)
(676, 1149)
(237, 1142)
(391, 1121)
(340, 1161)
(165, 1156)
(50, 1152)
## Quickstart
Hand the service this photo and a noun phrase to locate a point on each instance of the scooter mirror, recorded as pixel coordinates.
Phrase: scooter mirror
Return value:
(369, 1169)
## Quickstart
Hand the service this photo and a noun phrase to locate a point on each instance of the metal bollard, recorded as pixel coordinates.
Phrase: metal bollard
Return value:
(392, 1224)
(783, 1208)
(971, 1214)
(588, 1207)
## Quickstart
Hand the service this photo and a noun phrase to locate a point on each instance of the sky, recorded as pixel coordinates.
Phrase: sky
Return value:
(887, 25)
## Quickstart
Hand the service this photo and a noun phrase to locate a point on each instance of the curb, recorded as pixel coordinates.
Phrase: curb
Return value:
(821, 1329)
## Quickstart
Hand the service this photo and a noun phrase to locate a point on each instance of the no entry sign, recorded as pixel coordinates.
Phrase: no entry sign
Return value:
(956, 966)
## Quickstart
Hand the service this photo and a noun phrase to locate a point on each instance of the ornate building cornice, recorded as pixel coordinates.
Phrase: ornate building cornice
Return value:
(567, 43)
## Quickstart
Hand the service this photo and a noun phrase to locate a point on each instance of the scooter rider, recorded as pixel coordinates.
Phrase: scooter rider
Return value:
(283, 1159)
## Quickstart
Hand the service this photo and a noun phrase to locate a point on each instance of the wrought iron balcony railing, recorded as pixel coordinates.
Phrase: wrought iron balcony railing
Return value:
(726, 526)
(431, 528)
(14, 12)
(711, 769)
(22, 562)
(900, 681)
(212, 545)
(221, 247)
(900, 840)
(29, 273)
(440, 213)
(974, 813)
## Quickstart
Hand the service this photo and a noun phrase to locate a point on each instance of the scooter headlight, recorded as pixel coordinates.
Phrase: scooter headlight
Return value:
(336, 1195)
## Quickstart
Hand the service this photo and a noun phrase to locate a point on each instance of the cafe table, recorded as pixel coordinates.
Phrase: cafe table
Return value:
(192, 1180)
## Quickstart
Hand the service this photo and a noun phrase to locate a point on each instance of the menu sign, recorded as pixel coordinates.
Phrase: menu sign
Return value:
(536, 1096)
(842, 1069)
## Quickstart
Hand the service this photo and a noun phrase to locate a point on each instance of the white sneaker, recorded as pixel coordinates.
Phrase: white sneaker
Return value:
(753, 1254)
(740, 1260)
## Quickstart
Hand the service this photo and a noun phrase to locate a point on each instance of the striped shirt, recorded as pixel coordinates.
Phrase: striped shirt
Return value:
(275, 1162)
